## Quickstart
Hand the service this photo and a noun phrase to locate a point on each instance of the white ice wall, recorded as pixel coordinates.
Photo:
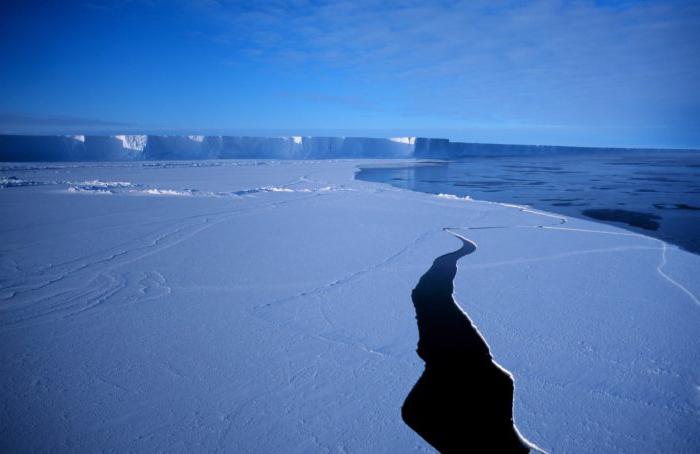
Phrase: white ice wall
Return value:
(154, 147)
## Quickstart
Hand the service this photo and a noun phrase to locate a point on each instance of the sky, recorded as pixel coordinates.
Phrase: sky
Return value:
(590, 73)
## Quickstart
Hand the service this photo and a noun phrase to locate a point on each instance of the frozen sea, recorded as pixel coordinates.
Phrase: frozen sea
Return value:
(265, 306)
(653, 193)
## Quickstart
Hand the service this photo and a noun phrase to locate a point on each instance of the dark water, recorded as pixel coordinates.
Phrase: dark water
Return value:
(463, 402)
(655, 193)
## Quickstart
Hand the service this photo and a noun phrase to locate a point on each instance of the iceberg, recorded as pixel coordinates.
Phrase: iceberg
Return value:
(159, 147)
(196, 147)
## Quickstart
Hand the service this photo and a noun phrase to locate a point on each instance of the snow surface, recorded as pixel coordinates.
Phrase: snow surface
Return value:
(267, 308)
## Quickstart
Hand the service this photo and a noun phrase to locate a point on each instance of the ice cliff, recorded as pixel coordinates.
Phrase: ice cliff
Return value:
(148, 147)
(160, 147)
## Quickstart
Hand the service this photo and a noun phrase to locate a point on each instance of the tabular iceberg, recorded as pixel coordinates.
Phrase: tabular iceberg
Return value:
(157, 147)
(195, 147)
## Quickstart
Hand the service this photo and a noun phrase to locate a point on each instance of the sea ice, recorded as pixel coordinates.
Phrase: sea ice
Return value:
(244, 318)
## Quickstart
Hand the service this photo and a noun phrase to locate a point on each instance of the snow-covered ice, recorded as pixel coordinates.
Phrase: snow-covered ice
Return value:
(269, 310)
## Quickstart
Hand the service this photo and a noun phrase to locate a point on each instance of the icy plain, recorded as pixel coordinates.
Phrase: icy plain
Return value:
(264, 306)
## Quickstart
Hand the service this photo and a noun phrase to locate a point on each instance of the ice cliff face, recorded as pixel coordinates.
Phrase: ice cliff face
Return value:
(152, 147)
(136, 143)
(444, 149)
(157, 147)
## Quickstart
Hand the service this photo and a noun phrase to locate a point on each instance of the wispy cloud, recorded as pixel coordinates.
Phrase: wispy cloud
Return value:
(11, 122)
(353, 102)
(543, 65)
(507, 60)
(20, 119)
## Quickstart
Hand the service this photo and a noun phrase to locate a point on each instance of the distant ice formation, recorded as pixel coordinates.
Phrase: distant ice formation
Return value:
(136, 143)
(194, 147)
(406, 140)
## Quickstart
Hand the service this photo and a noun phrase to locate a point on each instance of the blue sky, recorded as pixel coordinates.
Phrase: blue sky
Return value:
(619, 73)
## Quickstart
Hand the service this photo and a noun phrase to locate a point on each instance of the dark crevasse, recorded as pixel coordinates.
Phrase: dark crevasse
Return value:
(463, 402)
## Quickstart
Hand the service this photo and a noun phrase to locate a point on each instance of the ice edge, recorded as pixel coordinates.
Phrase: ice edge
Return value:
(522, 438)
